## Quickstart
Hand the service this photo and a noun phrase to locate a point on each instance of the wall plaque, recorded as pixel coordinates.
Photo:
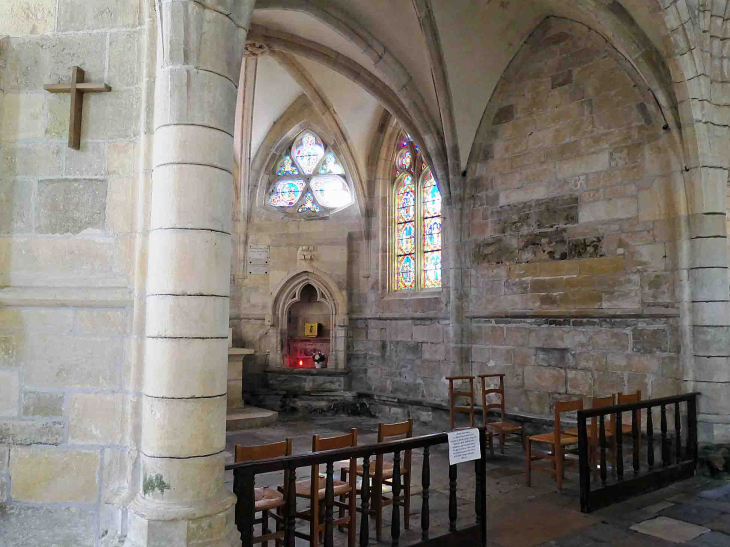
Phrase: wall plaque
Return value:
(258, 259)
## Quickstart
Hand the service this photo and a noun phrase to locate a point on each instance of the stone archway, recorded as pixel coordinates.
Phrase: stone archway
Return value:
(288, 293)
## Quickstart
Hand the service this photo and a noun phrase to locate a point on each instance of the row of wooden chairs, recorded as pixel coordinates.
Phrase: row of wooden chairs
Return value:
(559, 441)
(269, 502)
(501, 428)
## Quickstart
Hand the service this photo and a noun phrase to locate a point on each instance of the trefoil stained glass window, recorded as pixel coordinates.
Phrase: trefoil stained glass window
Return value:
(309, 180)
(417, 222)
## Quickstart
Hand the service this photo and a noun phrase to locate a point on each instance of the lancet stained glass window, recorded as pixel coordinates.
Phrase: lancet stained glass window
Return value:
(417, 222)
(309, 180)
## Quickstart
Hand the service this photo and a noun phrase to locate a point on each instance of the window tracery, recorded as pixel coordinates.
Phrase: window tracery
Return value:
(309, 179)
(417, 222)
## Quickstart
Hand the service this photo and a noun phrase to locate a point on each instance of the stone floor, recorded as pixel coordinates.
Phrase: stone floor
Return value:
(695, 512)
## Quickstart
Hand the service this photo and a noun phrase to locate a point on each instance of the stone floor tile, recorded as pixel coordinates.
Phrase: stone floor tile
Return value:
(518, 525)
(711, 539)
(716, 493)
(656, 507)
(693, 514)
(721, 524)
(670, 529)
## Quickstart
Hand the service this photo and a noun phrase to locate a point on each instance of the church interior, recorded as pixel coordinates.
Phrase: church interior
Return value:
(226, 223)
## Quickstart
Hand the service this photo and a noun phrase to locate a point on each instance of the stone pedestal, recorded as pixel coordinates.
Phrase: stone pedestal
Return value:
(235, 378)
(307, 380)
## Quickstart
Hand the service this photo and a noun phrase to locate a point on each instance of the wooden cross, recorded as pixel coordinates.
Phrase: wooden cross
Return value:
(76, 88)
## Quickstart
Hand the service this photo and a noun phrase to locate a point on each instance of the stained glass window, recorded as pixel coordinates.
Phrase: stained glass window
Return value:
(309, 178)
(286, 167)
(287, 193)
(331, 191)
(331, 165)
(417, 224)
(309, 205)
(404, 160)
(431, 216)
(307, 151)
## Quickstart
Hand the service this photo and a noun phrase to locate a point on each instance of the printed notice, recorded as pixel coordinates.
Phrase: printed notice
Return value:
(464, 446)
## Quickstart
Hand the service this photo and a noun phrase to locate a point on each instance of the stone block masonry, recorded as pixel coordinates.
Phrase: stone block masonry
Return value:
(558, 217)
(69, 375)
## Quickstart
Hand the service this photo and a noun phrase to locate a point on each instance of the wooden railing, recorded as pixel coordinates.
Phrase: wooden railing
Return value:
(676, 464)
(244, 475)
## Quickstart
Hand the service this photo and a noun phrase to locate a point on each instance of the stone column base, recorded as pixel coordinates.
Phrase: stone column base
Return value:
(209, 524)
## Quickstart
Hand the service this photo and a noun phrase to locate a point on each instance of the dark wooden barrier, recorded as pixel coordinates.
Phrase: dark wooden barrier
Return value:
(619, 487)
(244, 475)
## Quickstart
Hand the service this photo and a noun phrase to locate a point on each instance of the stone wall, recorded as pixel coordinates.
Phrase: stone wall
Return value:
(570, 220)
(68, 392)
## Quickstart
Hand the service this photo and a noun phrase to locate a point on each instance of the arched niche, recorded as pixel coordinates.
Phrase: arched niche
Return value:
(318, 292)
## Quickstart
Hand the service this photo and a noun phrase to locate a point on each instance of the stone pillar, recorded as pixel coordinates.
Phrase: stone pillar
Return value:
(709, 373)
(182, 499)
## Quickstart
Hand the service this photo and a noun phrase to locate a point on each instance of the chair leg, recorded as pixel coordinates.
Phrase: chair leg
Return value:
(264, 526)
(313, 528)
(501, 441)
(279, 527)
(378, 506)
(559, 463)
(352, 522)
(528, 463)
(341, 511)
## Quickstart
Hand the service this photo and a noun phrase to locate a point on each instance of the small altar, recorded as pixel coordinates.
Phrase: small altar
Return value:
(237, 415)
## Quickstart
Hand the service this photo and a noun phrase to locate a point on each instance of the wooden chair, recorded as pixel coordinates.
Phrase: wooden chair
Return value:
(267, 499)
(557, 441)
(384, 475)
(453, 409)
(314, 490)
(502, 427)
(593, 433)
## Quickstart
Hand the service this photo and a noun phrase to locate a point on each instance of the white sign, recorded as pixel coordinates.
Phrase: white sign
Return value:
(464, 446)
(258, 259)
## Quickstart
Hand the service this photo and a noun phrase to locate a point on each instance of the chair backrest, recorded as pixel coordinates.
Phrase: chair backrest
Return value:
(263, 451)
(499, 390)
(600, 402)
(331, 443)
(564, 406)
(625, 398)
(453, 409)
(404, 429)
(266, 452)
(387, 432)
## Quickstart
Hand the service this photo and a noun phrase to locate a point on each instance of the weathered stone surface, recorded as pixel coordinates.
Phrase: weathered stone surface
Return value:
(27, 160)
(504, 115)
(22, 114)
(428, 333)
(40, 404)
(61, 526)
(95, 419)
(545, 379)
(101, 118)
(71, 206)
(649, 340)
(57, 361)
(30, 63)
(554, 357)
(25, 432)
(100, 14)
(51, 474)
(27, 17)
(7, 351)
(580, 382)
(88, 161)
(9, 392)
(15, 206)
(123, 51)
